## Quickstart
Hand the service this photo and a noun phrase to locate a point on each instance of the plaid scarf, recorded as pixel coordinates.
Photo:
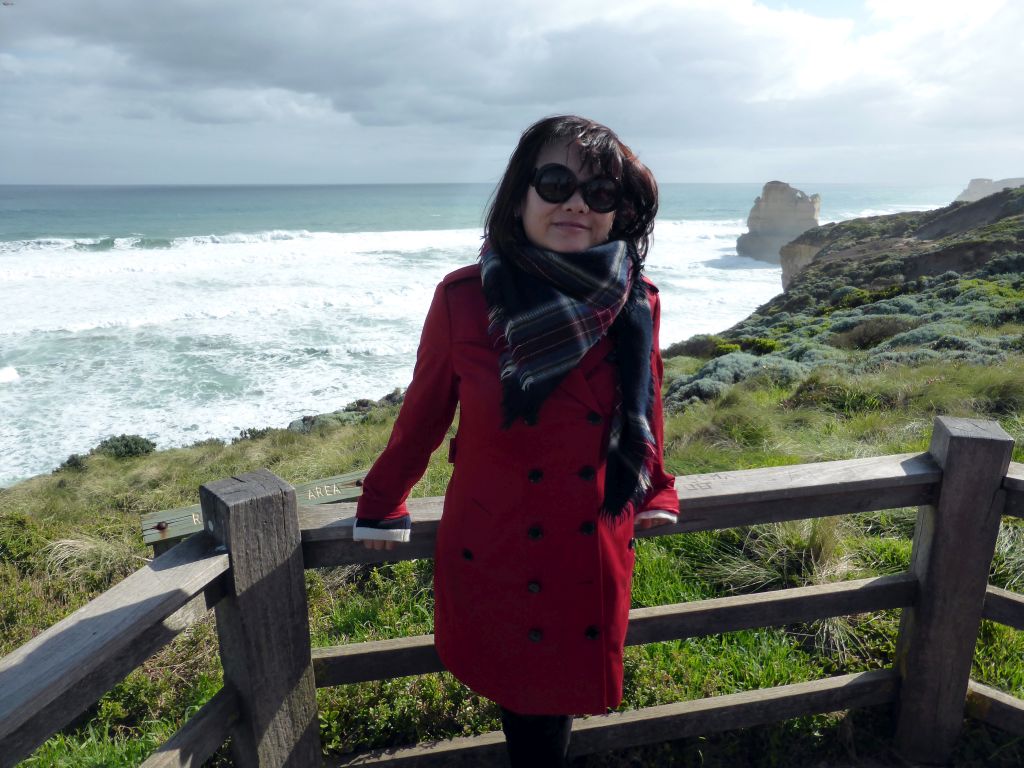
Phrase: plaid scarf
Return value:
(546, 311)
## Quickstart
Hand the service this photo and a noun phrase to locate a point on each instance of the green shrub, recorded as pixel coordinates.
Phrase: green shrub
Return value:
(759, 345)
(838, 396)
(125, 446)
(871, 332)
(73, 463)
(702, 345)
(252, 433)
(848, 297)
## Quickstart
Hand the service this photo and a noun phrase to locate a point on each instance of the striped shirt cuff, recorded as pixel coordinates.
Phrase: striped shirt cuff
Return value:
(658, 514)
(397, 529)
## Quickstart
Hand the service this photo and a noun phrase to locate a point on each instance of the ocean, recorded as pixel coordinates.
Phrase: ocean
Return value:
(187, 313)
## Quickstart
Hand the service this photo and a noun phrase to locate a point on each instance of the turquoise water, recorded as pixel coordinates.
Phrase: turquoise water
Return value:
(164, 213)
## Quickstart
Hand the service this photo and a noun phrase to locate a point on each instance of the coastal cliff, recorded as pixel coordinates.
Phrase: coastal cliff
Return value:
(937, 286)
(979, 188)
(933, 241)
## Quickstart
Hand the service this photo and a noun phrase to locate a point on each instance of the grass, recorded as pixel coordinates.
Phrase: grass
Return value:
(67, 536)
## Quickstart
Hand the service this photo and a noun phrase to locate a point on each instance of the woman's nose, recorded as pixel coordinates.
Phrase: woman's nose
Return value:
(576, 202)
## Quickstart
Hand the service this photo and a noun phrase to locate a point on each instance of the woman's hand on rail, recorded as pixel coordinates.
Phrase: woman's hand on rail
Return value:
(378, 544)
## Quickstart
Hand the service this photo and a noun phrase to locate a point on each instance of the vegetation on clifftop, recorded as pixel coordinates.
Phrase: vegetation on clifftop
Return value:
(943, 286)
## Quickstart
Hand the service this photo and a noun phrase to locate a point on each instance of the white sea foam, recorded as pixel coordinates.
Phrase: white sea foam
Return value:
(208, 335)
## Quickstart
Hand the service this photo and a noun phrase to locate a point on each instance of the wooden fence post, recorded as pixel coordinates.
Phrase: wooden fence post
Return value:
(953, 546)
(263, 623)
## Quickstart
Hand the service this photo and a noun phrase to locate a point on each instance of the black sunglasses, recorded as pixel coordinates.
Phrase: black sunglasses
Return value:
(555, 184)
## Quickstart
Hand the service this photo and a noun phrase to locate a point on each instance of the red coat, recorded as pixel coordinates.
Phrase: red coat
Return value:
(531, 587)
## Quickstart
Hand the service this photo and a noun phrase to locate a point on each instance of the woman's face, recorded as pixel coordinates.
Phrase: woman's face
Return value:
(564, 227)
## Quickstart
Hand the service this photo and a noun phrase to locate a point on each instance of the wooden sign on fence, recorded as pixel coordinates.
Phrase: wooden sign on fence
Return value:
(169, 526)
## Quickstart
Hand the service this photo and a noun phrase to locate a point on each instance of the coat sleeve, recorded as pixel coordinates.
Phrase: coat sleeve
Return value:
(422, 422)
(662, 496)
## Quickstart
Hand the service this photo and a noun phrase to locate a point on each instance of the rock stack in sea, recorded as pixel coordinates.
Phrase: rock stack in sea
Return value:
(782, 213)
(979, 188)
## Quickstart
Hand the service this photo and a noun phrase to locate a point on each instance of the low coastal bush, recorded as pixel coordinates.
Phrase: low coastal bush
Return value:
(252, 433)
(702, 346)
(837, 394)
(125, 446)
(870, 332)
(73, 463)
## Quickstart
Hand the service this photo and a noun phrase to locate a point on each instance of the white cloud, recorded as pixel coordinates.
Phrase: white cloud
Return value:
(729, 79)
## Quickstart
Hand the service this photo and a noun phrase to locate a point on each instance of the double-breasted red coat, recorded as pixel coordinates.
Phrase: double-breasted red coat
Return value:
(531, 586)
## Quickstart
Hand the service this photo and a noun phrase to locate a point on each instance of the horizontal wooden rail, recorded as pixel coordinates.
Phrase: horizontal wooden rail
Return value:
(768, 609)
(995, 708)
(706, 502)
(382, 659)
(1013, 484)
(1004, 606)
(201, 736)
(653, 724)
(50, 680)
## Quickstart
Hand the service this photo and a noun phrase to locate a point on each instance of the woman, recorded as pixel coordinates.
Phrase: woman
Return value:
(550, 347)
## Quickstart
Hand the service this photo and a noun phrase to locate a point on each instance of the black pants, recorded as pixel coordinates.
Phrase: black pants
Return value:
(536, 741)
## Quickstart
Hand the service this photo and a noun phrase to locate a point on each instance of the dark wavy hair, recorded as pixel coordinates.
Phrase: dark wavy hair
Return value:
(602, 151)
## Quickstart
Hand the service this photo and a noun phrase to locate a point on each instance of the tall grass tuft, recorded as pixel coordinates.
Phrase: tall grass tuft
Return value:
(96, 561)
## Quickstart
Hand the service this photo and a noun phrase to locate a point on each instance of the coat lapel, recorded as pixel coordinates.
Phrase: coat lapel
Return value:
(576, 384)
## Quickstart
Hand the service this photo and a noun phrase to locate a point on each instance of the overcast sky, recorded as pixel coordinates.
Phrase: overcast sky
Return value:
(347, 91)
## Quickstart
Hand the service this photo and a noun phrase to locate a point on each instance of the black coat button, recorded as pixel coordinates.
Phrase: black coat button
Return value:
(467, 554)
(535, 635)
(534, 587)
(536, 475)
(588, 472)
(632, 543)
(594, 417)
(592, 632)
(535, 532)
(588, 528)
(530, 421)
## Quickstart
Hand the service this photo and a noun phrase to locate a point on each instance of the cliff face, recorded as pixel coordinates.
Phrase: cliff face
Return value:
(780, 214)
(927, 242)
(979, 188)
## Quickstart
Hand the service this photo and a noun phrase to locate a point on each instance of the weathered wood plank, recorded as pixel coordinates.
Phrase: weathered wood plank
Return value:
(201, 736)
(996, 708)
(375, 660)
(1004, 606)
(50, 680)
(953, 546)
(766, 609)
(706, 502)
(723, 499)
(1013, 484)
(656, 724)
(263, 624)
(381, 659)
(170, 525)
(738, 710)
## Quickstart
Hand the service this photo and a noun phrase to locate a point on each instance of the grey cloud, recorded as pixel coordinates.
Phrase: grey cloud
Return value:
(673, 76)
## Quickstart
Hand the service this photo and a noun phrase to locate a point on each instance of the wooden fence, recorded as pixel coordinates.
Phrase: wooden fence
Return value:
(248, 565)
